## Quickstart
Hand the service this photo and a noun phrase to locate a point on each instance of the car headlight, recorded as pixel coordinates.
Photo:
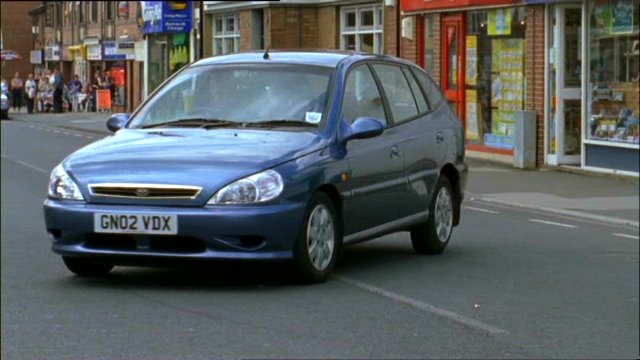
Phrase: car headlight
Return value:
(263, 186)
(61, 186)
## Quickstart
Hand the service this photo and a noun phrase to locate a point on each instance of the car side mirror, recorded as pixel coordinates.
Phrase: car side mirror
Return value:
(117, 121)
(363, 128)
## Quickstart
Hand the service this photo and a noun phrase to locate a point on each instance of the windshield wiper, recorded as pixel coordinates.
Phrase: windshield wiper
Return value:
(274, 123)
(195, 122)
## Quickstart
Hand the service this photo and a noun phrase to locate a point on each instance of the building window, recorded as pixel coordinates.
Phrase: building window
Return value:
(361, 28)
(226, 34)
(109, 10)
(80, 11)
(94, 11)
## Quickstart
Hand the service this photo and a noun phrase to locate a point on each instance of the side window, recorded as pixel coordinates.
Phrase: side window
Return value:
(417, 92)
(434, 95)
(401, 101)
(361, 96)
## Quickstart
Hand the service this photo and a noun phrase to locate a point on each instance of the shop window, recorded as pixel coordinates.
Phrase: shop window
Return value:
(109, 11)
(361, 28)
(226, 34)
(429, 43)
(613, 87)
(494, 47)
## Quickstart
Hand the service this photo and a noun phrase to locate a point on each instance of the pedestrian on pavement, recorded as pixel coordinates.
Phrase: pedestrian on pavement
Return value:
(17, 87)
(58, 85)
(75, 88)
(98, 83)
(32, 89)
(45, 94)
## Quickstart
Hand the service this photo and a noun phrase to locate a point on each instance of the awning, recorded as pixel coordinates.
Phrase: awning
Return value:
(77, 51)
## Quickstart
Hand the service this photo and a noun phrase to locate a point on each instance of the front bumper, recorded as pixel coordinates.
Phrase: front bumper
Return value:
(258, 232)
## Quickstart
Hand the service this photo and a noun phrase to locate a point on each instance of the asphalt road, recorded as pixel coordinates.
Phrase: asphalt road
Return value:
(512, 284)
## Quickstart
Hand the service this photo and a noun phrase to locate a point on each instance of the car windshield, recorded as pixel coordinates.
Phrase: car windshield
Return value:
(274, 95)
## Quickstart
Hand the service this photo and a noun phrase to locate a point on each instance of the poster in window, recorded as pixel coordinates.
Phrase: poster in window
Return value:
(621, 16)
(472, 59)
(499, 22)
(472, 114)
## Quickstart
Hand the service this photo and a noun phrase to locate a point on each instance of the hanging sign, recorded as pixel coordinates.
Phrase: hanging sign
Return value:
(499, 21)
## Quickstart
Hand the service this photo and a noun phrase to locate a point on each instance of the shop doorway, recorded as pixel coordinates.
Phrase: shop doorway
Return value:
(453, 64)
(565, 80)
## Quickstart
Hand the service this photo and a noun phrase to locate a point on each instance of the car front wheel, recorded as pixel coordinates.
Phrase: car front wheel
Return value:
(433, 236)
(317, 247)
(86, 267)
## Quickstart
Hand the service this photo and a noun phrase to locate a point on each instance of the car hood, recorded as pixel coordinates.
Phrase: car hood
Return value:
(209, 159)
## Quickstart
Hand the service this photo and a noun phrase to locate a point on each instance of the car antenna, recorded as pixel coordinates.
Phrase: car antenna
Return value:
(266, 54)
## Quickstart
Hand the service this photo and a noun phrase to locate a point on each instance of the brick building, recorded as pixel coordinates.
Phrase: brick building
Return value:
(16, 36)
(232, 26)
(82, 37)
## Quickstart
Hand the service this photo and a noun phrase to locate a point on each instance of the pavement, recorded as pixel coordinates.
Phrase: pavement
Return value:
(576, 193)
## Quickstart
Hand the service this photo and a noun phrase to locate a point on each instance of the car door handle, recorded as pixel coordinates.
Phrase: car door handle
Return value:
(439, 137)
(394, 153)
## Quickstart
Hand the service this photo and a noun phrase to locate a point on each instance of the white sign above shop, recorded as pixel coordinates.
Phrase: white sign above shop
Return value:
(94, 52)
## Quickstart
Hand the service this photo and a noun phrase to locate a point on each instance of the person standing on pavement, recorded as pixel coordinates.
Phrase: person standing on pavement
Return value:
(32, 88)
(58, 85)
(75, 88)
(17, 87)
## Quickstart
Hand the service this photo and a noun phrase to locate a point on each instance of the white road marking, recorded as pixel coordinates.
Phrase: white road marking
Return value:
(455, 317)
(56, 131)
(553, 223)
(626, 236)
(32, 167)
(78, 135)
(481, 210)
(84, 121)
(66, 133)
(89, 137)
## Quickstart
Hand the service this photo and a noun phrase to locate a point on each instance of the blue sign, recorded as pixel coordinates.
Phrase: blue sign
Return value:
(111, 51)
(167, 16)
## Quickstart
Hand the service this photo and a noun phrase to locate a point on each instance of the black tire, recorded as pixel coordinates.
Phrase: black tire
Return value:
(425, 238)
(317, 269)
(86, 267)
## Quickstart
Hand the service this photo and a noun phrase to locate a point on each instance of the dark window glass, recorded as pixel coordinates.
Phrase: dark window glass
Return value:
(434, 95)
(350, 18)
(401, 101)
(417, 92)
(94, 11)
(366, 18)
(361, 96)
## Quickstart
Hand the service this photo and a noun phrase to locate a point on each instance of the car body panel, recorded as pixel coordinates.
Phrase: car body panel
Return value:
(379, 184)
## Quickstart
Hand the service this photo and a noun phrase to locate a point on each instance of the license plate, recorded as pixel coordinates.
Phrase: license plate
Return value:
(135, 224)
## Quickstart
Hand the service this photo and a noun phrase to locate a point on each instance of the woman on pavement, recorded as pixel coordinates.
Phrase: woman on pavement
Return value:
(32, 90)
(17, 87)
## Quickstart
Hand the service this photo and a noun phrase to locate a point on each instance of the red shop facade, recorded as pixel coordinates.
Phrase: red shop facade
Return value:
(488, 57)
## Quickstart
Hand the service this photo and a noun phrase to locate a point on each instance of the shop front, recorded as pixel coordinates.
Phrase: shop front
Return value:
(167, 28)
(118, 57)
(592, 87)
(476, 50)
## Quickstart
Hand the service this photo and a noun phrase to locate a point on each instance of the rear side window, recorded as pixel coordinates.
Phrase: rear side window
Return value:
(398, 92)
(361, 96)
(434, 95)
(417, 92)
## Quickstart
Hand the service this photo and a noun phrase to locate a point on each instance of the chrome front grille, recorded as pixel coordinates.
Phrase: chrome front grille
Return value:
(145, 191)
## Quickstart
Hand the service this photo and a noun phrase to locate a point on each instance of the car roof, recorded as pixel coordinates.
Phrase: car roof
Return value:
(329, 58)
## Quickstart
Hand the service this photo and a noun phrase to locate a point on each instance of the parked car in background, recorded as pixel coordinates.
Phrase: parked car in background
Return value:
(4, 102)
(280, 156)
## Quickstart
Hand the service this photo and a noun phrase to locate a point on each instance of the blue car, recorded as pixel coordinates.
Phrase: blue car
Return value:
(275, 156)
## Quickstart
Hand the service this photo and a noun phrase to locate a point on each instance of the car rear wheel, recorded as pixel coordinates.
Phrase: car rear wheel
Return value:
(86, 267)
(433, 236)
(317, 247)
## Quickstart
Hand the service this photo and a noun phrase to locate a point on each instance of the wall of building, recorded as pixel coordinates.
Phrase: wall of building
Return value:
(16, 31)
(534, 68)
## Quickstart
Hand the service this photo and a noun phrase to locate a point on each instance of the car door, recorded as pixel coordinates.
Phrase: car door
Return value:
(377, 184)
(410, 113)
